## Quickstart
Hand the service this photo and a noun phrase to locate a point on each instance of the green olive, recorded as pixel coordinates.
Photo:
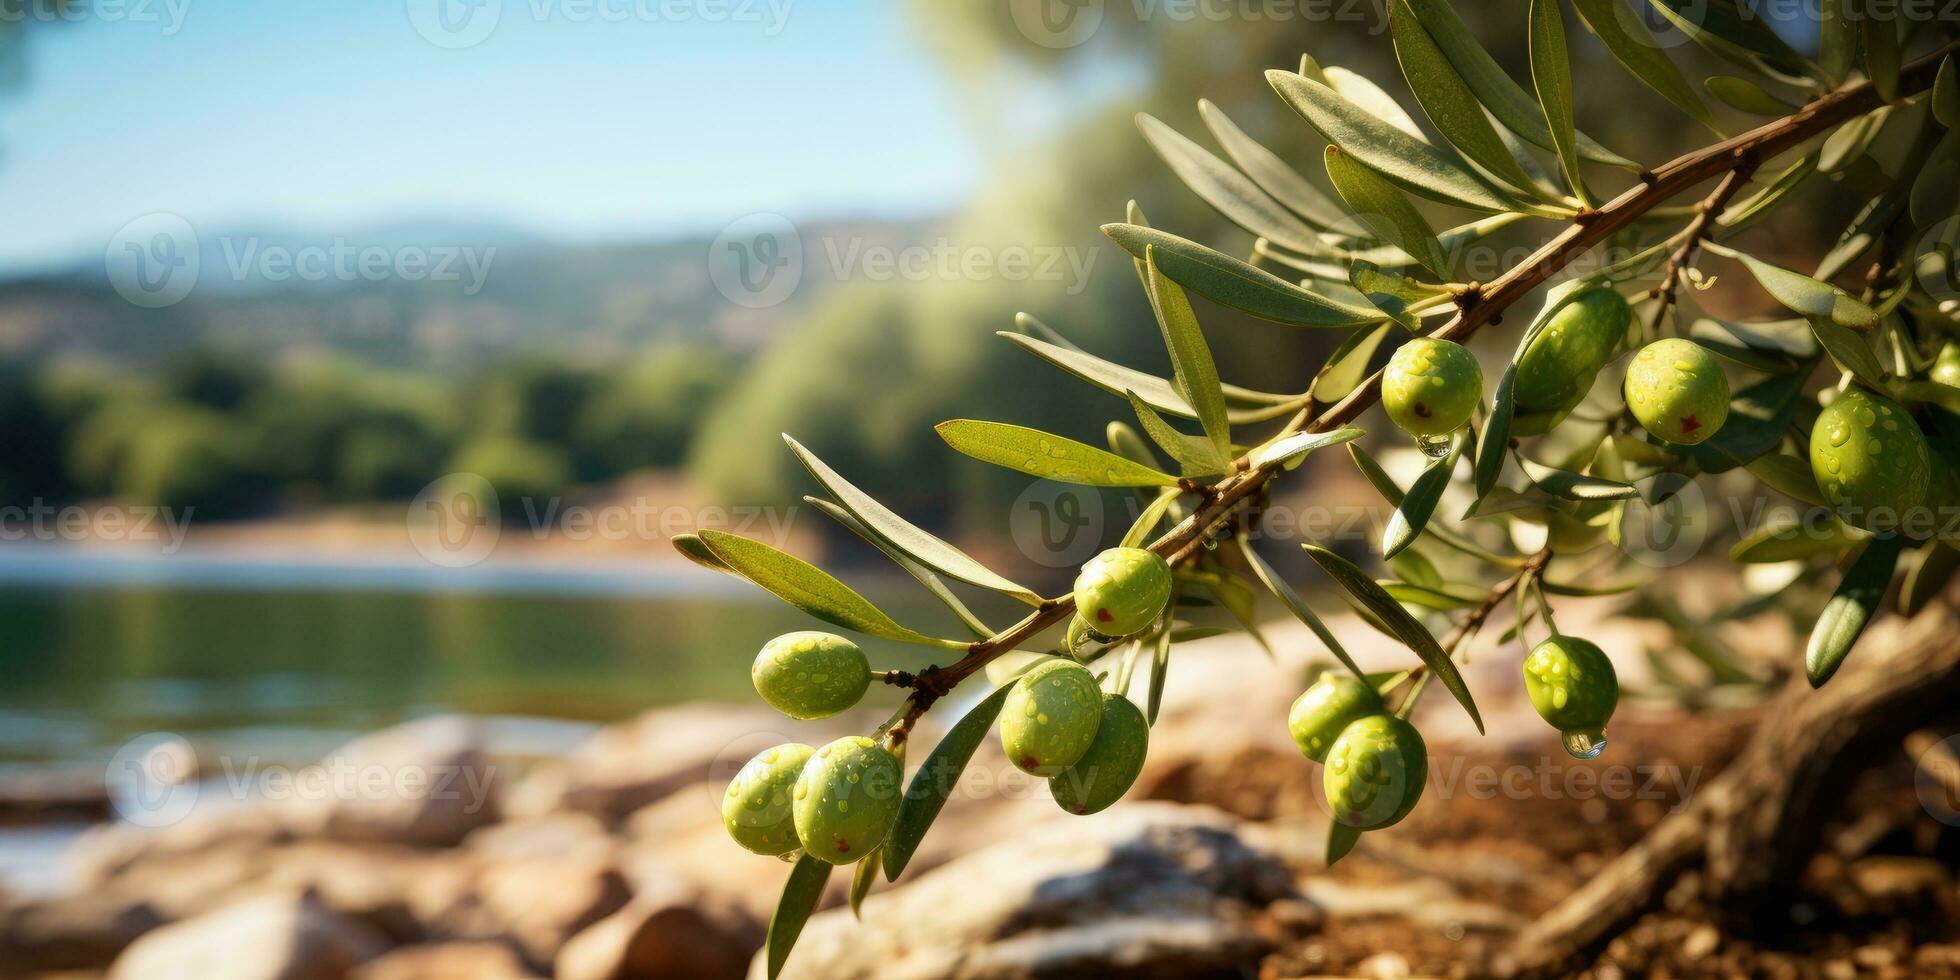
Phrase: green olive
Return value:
(1375, 772)
(756, 809)
(1559, 367)
(809, 674)
(1104, 773)
(1677, 390)
(1326, 708)
(1431, 387)
(1122, 591)
(1573, 687)
(1050, 717)
(1870, 459)
(846, 799)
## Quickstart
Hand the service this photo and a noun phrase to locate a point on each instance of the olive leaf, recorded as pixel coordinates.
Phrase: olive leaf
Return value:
(1852, 140)
(1195, 375)
(1741, 93)
(1629, 41)
(1286, 451)
(1449, 102)
(1371, 597)
(1745, 210)
(1347, 367)
(1788, 338)
(1413, 513)
(1231, 193)
(1147, 521)
(1801, 293)
(809, 588)
(1880, 35)
(1266, 169)
(1408, 162)
(921, 545)
(862, 877)
(1494, 442)
(1440, 599)
(1160, 665)
(1373, 99)
(1739, 34)
(1295, 605)
(693, 549)
(933, 784)
(1495, 89)
(1392, 492)
(1946, 94)
(1850, 350)
(1551, 75)
(1195, 456)
(800, 897)
(922, 574)
(1793, 540)
(1230, 282)
(1341, 839)
(1850, 608)
(1390, 292)
(1116, 379)
(1927, 578)
(1046, 455)
(1759, 415)
(1789, 476)
(1378, 205)
(1575, 486)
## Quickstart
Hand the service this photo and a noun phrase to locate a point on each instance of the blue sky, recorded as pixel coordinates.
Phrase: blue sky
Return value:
(576, 118)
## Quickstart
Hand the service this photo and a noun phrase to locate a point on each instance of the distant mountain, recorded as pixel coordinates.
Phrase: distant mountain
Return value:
(426, 294)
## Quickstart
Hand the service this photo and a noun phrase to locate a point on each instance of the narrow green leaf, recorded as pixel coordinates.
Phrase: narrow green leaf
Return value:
(1411, 164)
(1449, 103)
(1575, 486)
(1285, 184)
(1357, 584)
(1413, 514)
(1347, 367)
(1759, 415)
(1230, 282)
(1195, 456)
(936, 779)
(1295, 605)
(1881, 48)
(1231, 193)
(863, 876)
(922, 574)
(808, 587)
(1495, 89)
(1146, 523)
(1341, 839)
(1195, 374)
(1494, 442)
(1741, 93)
(1378, 205)
(1155, 391)
(1928, 577)
(1946, 94)
(1788, 476)
(800, 897)
(1791, 541)
(1551, 75)
(1741, 34)
(1046, 455)
(1160, 666)
(1440, 599)
(1850, 608)
(1391, 292)
(922, 546)
(1850, 350)
(1849, 142)
(1629, 41)
(1416, 569)
(1791, 337)
(1743, 212)
(1362, 91)
(691, 547)
(1936, 187)
(1286, 450)
(1801, 293)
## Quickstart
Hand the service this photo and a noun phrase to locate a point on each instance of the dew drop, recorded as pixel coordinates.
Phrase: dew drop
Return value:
(1584, 745)
(1434, 447)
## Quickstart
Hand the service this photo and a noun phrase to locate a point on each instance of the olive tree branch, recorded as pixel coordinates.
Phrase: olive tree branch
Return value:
(1476, 307)
(1705, 214)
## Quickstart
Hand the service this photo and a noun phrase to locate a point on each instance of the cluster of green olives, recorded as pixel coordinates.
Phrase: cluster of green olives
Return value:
(1375, 763)
(1674, 387)
(838, 802)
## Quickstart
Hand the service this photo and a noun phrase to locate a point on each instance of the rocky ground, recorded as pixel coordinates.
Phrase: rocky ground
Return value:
(611, 863)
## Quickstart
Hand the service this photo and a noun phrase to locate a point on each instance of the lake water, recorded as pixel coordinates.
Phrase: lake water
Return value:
(287, 657)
